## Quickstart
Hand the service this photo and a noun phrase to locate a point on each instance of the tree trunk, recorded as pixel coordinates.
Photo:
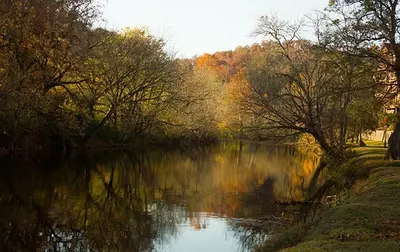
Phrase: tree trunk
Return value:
(393, 151)
(361, 142)
(99, 125)
(328, 150)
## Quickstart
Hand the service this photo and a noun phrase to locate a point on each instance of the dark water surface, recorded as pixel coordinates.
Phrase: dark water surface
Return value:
(196, 199)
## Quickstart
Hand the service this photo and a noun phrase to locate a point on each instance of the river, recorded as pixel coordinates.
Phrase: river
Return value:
(208, 198)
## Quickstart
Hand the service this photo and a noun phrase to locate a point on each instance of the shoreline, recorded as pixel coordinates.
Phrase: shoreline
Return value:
(364, 215)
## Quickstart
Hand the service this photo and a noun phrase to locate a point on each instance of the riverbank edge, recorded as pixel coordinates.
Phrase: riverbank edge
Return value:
(141, 144)
(364, 218)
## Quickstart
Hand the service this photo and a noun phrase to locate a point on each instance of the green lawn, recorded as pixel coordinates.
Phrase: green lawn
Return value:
(368, 220)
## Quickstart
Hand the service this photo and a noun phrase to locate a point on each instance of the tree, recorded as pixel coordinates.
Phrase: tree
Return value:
(41, 45)
(196, 110)
(62, 83)
(129, 80)
(359, 28)
(46, 38)
(236, 116)
(298, 87)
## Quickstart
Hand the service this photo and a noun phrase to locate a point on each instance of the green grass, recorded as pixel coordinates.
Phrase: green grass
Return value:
(332, 245)
(368, 220)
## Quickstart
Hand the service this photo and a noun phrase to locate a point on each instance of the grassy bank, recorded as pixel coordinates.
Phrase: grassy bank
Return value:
(367, 219)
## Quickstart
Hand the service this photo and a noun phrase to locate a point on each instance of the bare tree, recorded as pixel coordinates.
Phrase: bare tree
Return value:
(301, 88)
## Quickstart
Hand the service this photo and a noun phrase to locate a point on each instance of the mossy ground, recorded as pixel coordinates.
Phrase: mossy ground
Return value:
(367, 220)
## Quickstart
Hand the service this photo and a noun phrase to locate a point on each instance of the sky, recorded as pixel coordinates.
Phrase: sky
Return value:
(194, 27)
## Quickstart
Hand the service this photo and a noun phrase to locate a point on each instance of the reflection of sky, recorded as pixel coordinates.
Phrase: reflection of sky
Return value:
(215, 237)
(231, 180)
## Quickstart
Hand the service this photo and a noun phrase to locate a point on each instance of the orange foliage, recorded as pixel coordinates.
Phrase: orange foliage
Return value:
(212, 63)
(239, 86)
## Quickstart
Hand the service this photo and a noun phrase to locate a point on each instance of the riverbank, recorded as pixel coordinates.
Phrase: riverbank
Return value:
(101, 145)
(366, 219)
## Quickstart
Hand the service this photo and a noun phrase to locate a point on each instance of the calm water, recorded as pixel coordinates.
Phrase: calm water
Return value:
(195, 199)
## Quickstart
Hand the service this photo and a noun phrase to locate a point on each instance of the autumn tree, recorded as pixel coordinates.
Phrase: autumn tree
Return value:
(41, 45)
(197, 107)
(300, 88)
(215, 64)
(236, 117)
(63, 83)
(129, 81)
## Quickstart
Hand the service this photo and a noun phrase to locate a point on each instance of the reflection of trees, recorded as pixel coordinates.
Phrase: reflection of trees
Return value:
(97, 209)
(290, 184)
(249, 237)
(125, 201)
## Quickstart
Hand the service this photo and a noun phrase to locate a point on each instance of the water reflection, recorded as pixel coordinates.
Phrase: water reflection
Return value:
(176, 200)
